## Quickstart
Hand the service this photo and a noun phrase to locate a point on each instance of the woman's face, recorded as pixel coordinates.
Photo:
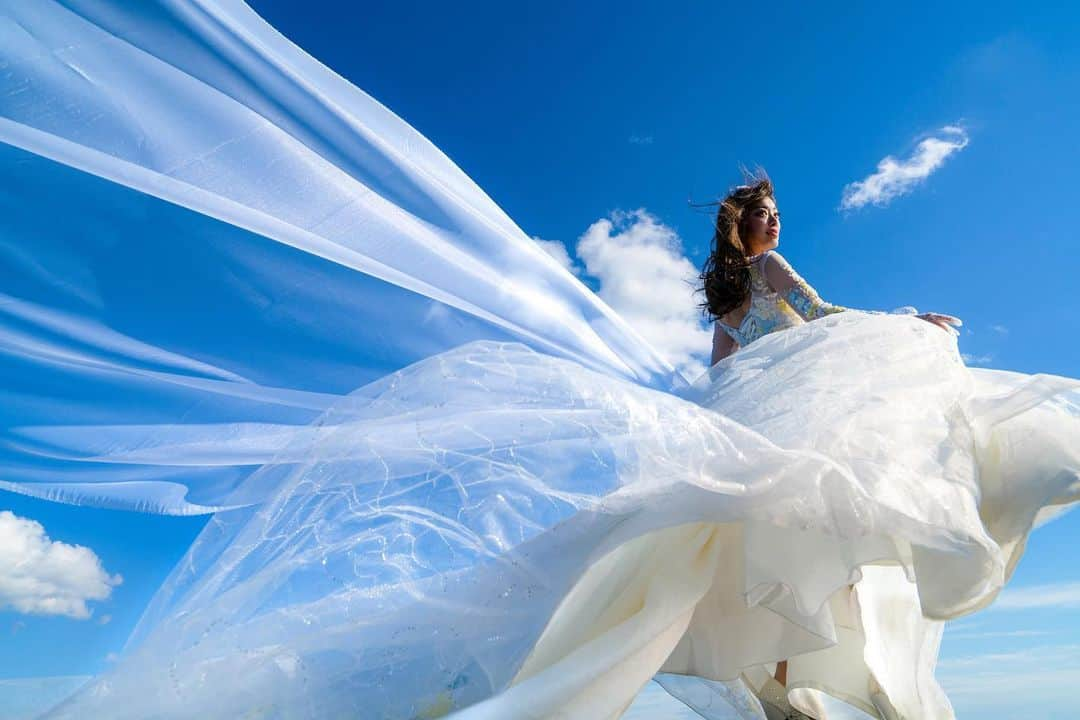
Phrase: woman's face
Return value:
(761, 226)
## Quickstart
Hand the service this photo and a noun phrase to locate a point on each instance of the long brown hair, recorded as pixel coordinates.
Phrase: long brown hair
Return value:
(725, 279)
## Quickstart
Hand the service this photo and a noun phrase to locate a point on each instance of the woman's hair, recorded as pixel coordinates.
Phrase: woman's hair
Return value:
(725, 279)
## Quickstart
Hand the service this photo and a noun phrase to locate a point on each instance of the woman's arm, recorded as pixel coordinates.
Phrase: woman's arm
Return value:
(802, 298)
(722, 345)
(787, 283)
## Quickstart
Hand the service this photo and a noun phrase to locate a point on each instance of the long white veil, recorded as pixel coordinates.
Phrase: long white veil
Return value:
(210, 240)
(209, 237)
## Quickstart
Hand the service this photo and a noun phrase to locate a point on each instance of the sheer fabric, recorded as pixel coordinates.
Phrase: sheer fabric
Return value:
(795, 291)
(553, 536)
(213, 238)
(446, 478)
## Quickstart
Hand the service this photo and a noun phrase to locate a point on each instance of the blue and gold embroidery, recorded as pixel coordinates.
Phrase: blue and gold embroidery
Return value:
(770, 312)
(805, 301)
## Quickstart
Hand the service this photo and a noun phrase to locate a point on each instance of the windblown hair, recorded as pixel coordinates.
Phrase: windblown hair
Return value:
(725, 279)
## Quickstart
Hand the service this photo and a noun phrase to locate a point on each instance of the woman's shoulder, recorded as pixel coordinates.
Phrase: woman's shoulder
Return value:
(768, 260)
(764, 265)
(769, 257)
(775, 270)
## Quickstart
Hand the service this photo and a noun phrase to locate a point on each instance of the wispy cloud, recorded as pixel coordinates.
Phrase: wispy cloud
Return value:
(41, 576)
(985, 634)
(641, 139)
(897, 177)
(1024, 684)
(971, 359)
(1000, 329)
(1065, 596)
(644, 276)
(1067, 654)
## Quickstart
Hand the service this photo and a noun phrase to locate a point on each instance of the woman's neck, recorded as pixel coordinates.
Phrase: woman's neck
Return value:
(757, 251)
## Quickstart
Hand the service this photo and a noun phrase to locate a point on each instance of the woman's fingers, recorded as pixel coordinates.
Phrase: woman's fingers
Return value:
(951, 319)
(945, 322)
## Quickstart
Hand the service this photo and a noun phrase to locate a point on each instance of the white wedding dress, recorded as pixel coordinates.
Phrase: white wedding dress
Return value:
(523, 511)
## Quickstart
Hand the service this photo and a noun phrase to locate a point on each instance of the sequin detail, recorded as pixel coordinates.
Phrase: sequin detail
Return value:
(768, 311)
(805, 301)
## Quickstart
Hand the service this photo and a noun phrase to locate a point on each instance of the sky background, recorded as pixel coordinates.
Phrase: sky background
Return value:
(921, 155)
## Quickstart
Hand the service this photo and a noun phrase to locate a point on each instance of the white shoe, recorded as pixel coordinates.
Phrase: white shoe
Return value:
(773, 697)
(881, 701)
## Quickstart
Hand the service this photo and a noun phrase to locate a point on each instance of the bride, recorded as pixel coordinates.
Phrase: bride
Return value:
(745, 283)
(752, 291)
(445, 478)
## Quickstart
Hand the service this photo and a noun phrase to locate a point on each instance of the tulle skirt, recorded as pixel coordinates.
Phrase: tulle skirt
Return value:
(498, 533)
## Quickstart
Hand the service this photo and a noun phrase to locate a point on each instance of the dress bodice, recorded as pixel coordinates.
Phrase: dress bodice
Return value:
(768, 311)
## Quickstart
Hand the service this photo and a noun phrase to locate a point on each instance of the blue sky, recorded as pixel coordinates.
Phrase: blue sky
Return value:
(590, 124)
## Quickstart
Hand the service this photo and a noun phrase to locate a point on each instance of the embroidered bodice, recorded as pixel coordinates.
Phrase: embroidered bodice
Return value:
(770, 310)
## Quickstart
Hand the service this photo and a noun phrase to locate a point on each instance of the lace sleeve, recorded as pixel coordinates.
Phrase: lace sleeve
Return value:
(798, 293)
(804, 300)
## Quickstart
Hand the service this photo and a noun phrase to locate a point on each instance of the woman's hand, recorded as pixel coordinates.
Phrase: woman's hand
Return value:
(947, 323)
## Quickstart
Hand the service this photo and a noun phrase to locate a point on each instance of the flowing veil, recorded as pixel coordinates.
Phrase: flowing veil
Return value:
(444, 476)
(243, 235)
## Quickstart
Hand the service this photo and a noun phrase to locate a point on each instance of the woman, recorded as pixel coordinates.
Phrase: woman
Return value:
(445, 476)
(751, 291)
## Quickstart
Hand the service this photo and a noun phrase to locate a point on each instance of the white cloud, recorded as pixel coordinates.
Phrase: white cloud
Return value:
(1000, 329)
(897, 177)
(644, 276)
(1058, 595)
(45, 577)
(557, 250)
(641, 139)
